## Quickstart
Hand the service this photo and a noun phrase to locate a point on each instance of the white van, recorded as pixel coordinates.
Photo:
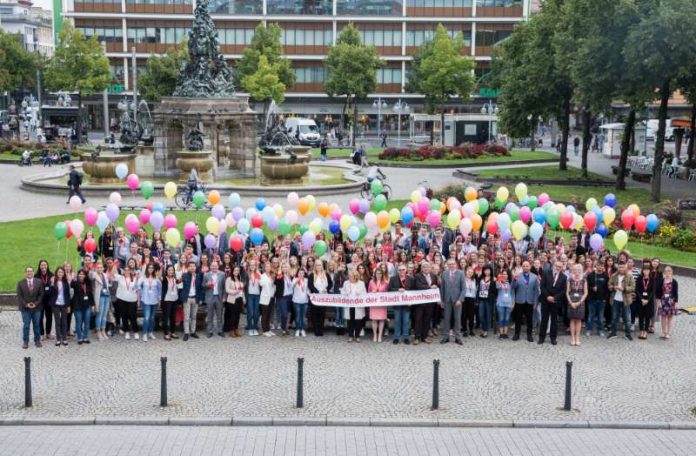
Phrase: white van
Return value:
(653, 125)
(305, 130)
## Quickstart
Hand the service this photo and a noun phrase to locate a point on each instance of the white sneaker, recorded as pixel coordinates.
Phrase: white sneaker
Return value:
(250, 332)
(127, 336)
(152, 336)
(362, 333)
(304, 334)
(588, 333)
(273, 334)
(268, 334)
(120, 331)
(136, 336)
(297, 333)
(256, 332)
(144, 337)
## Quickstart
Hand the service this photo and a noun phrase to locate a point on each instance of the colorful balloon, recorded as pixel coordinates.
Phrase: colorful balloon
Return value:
(212, 225)
(236, 243)
(121, 171)
(133, 182)
(90, 245)
(156, 220)
(320, 248)
(610, 200)
(198, 199)
(112, 212)
(102, 221)
(234, 200)
(293, 198)
(170, 190)
(256, 236)
(502, 194)
(75, 203)
(173, 237)
(520, 192)
(620, 239)
(453, 219)
(115, 198)
(145, 216)
(470, 194)
(376, 187)
(627, 219)
(596, 242)
(590, 219)
(190, 230)
(380, 202)
(641, 223)
(653, 223)
(519, 229)
(536, 231)
(91, 216)
(590, 203)
(132, 223)
(60, 230)
(147, 189)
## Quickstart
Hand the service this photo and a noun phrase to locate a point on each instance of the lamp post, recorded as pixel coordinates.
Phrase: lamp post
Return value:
(400, 107)
(379, 104)
(490, 109)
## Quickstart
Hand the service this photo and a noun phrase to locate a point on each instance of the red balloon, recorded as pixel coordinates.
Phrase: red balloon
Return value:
(566, 219)
(590, 221)
(257, 221)
(68, 234)
(627, 219)
(641, 223)
(90, 245)
(492, 227)
(236, 243)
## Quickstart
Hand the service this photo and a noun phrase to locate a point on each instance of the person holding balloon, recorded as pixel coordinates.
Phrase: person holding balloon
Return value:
(102, 299)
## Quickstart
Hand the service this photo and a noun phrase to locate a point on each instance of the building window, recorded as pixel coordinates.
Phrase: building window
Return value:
(107, 34)
(369, 7)
(498, 3)
(236, 7)
(300, 7)
(153, 2)
(162, 35)
(490, 37)
(381, 37)
(389, 76)
(299, 37)
(439, 3)
(239, 36)
(310, 75)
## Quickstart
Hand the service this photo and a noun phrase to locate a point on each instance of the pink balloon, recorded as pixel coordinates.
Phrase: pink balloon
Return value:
(525, 214)
(434, 218)
(190, 229)
(170, 221)
(132, 223)
(543, 199)
(149, 206)
(145, 216)
(354, 206)
(133, 181)
(423, 205)
(91, 216)
(336, 215)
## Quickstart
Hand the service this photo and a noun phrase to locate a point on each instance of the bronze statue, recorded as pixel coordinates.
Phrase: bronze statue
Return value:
(194, 139)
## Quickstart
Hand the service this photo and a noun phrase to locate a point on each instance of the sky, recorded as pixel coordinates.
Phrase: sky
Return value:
(45, 4)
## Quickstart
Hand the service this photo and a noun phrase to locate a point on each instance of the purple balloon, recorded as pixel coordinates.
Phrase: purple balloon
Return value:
(506, 236)
(218, 211)
(112, 212)
(273, 223)
(364, 206)
(210, 241)
(156, 220)
(596, 242)
(308, 240)
(237, 213)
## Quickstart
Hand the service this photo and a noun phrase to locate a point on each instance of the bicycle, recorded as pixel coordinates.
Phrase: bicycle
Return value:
(366, 190)
(184, 196)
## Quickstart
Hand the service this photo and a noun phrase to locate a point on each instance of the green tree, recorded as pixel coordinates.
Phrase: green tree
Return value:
(266, 42)
(17, 65)
(444, 72)
(265, 84)
(352, 70)
(162, 73)
(658, 50)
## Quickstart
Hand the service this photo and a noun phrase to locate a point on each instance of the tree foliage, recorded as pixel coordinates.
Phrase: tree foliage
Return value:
(162, 73)
(265, 85)
(266, 42)
(78, 64)
(17, 65)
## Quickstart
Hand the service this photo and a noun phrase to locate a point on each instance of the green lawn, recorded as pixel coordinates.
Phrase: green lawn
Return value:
(545, 172)
(372, 152)
(515, 155)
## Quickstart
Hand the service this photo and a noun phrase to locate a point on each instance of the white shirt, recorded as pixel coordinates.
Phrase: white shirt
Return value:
(618, 295)
(127, 289)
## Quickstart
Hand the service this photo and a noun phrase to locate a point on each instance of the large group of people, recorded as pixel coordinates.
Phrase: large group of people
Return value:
(487, 287)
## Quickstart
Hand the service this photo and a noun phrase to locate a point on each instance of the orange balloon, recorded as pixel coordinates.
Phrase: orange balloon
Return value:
(476, 222)
(493, 217)
(382, 219)
(303, 206)
(470, 194)
(213, 197)
(323, 209)
(635, 209)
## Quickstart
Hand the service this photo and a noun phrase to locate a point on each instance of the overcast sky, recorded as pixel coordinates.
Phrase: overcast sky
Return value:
(45, 4)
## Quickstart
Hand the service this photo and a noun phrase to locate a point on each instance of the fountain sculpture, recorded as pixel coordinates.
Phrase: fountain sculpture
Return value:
(283, 159)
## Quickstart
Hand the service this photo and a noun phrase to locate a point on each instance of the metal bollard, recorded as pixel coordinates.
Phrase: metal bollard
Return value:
(436, 384)
(568, 386)
(27, 382)
(163, 388)
(300, 381)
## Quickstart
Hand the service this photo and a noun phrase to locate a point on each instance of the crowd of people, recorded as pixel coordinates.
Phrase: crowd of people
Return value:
(487, 287)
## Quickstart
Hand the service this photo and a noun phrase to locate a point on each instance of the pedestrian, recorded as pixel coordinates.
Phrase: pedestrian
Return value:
(469, 304)
(45, 275)
(74, 183)
(170, 302)
(102, 299)
(402, 325)
(253, 298)
(669, 302)
(323, 147)
(576, 145)
(452, 294)
(645, 299)
(378, 314)
(383, 135)
(576, 294)
(59, 298)
(526, 290)
(266, 298)
(597, 297)
(318, 282)
(354, 315)
(504, 302)
(214, 285)
(552, 292)
(29, 295)
(300, 300)
(485, 298)
(149, 295)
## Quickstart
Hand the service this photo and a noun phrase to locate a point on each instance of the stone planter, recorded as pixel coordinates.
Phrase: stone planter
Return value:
(103, 169)
(201, 160)
(283, 168)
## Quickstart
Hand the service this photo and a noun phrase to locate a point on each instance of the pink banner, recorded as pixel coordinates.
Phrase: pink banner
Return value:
(393, 298)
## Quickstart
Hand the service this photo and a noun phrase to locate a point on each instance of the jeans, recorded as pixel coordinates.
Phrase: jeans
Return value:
(253, 312)
(102, 312)
(503, 315)
(618, 308)
(596, 312)
(402, 322)
(32, 317)
(486, 314)
(149, 318)
(340, 319)
(82, 318)
(283, 303)
(300, 314)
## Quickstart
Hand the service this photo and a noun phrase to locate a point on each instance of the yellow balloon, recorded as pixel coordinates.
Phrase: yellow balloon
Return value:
(416, 196)
(278, 210)
(453, 219)
(346, 221)
(394, 215)
(620, 239)
(635, 209)
(170, 190)
(519, 229)
(590, 203)
(609, 215)
(312, 202)
(315, 226)
(212, 225)
(172, 237)
(520, 191)
(475, 205)
(503, 194)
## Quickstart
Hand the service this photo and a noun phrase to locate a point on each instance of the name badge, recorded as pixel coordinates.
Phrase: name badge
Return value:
(576, 296)
(483, 294)
(86, 298)
(46, 288)
(645, 294)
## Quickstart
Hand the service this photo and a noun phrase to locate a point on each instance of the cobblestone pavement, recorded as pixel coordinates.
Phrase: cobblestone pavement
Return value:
(486, 379)
(121, 440)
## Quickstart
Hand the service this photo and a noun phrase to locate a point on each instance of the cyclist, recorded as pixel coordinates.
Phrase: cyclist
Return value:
(373, 172)
(192, 184)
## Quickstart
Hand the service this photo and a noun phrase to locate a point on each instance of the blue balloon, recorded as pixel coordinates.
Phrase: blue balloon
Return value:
(406, 215)
(256, 236)
(158, 207)
(653, 222)
(610, 199)
(234, 200)
(260, 204)
(598, 212)
(602, 230)
(334, 226)
(539, 215)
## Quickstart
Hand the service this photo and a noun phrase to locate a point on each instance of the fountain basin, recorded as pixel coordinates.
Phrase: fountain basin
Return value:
(285, 168)
(199, 159)
(103, 169)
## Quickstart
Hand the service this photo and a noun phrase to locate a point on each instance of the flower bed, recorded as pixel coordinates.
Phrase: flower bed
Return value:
(427, 152)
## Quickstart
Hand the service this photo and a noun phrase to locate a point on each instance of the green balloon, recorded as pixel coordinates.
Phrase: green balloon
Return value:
(434, 205)
(376, 187)
(320, 247)
(363, 231)
(483, 206)
(284, 226)
(379, 203)
(147, 189)
(303, 229)
(552, 217)
(532, 202)
(198, 199)
(514, 213)
(499, 204)
(60, 230)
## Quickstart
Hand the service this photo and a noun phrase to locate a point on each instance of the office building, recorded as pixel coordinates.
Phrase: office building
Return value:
(33, 24)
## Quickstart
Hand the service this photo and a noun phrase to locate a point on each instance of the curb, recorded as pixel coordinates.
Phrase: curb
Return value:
(324, 421)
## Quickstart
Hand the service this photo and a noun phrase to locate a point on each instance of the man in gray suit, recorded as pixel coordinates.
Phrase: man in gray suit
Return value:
(214, 286)
(452, 292)
(29, 292)
(526, 290)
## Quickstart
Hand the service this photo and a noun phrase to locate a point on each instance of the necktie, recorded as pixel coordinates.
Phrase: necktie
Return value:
(31, 285)
(555, 278)
(451, 275)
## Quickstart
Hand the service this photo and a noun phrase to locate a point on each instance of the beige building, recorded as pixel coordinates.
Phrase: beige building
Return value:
(34, 25)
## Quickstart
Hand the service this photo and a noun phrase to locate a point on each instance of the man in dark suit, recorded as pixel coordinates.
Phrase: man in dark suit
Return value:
(191, 295)
(29, 293)
(583, 242)
(452, 293)
(74, 182)
(402, 321)
(553, 289)
(423, 313)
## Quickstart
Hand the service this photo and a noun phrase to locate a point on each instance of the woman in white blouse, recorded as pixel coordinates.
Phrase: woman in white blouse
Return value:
(267, 284)
(355, 315)
(127, 301)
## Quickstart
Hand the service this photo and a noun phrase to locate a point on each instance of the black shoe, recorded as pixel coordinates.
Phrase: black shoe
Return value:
(540, 342)
(458, 342)
(221, 334)
(516, 337)
(210, 335)
(465, 334)
(38, 344)
(395, 342)
(530, 339)
(553, 342)
(629, 337)
(612, 336)
(444, 341)
(195, 336)
(407, 341)
(186, 336)
(86, 341)
(79, 342)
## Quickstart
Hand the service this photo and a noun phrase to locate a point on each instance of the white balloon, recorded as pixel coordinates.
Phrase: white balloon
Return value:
(291, 217)
(102, 221)
(75, 203)
(115, 198)
(121, 171)
(465, 226)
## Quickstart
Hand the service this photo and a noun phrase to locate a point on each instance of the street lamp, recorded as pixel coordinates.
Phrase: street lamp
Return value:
(379, 104)
(399, 107)
(490, 109)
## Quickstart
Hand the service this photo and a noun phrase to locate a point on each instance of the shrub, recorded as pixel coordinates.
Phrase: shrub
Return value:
(683, 240)
(428, 152)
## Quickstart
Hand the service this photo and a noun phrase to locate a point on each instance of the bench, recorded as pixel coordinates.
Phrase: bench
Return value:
(640, 175)
(615, 170)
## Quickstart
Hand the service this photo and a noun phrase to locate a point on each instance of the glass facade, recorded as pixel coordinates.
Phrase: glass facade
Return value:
(310, 75)
(157, 2)
(236, 7)
(235, 35)
(162, 35)
(418, 37)
(389, 76)
(381, 37)
(107, 34)
(438, 3)
(299, 7)
(300, 37)
(369, 8)
(489, 36)
(498, 3)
